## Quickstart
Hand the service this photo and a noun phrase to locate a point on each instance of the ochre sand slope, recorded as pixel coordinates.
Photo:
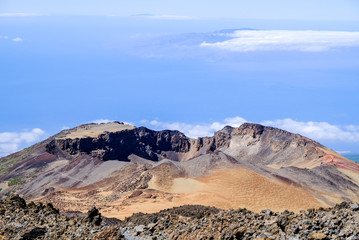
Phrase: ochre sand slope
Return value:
(240, 187)
(224, 188)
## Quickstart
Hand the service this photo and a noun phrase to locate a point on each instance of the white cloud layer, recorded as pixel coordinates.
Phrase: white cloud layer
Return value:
(318, 131)
(11, 141)
(272, 40)
(99, 121)
(198, 130)
(17, 39)
(19, 14)
(164, 17)
(343, 152)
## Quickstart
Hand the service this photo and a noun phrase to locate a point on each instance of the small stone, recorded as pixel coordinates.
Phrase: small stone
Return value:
(151, 225)
(353, 238)
(267, 211)
(18, 225)
(262, 236)
(94, 216)
(354, 207)
(34, 233)
(17, 201)
(50, 208)
(139, 228)
(317, 236)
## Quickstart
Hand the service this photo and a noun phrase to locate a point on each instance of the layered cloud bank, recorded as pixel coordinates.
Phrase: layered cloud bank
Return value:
(19, 14)
(198, 130)
(16, 39)
(318, 130)
(163, 17)
(307, 41)
(230, 43)
(315, 130)
(11, 142)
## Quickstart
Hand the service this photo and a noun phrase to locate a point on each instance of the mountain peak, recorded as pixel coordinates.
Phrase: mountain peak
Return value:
(226, 130)
(93, 130)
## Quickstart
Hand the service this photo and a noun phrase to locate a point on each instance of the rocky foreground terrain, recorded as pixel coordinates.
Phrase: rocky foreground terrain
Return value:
(21, 220)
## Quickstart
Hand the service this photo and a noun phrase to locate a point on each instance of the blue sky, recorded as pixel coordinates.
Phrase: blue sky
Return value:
(178, 64)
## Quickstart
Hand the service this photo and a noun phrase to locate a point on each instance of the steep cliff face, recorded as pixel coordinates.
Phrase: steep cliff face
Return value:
(143, 142)
(140, 141)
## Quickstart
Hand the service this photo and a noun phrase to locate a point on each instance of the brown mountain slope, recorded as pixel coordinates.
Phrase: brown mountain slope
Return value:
(123, 169)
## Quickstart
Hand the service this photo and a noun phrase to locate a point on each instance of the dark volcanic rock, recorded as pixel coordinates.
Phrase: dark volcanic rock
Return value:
(94, 216)
(17, 201)
(19, 220)
(119, 145)
(34, 233)
(39, 221)
(340, 222)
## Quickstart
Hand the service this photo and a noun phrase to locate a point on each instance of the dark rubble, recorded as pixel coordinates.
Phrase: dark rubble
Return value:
(21, 220)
